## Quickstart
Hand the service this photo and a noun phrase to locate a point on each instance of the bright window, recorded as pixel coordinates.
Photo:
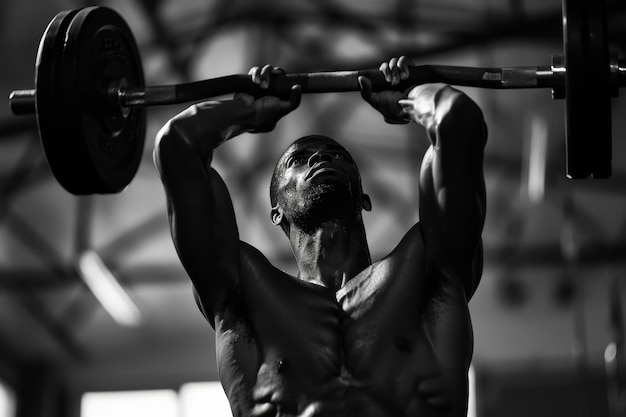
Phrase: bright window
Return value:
(153, 403)
(201, 399)
(471, 406)
(196, 399)
(7, 400)
(193, 400)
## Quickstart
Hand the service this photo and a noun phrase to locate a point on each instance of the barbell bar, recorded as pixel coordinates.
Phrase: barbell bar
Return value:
(23, 101)
(90, 97)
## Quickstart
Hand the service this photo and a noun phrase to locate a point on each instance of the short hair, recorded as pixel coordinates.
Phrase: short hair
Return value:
(302, 140)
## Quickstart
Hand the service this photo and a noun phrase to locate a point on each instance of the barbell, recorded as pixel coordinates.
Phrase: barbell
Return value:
(90, 98)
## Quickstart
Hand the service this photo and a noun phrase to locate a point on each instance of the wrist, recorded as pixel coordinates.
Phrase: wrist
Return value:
(424, 100)
(426, 92)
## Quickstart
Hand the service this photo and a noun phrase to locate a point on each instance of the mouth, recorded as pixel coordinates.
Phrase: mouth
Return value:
(319, 174)
(434, 393)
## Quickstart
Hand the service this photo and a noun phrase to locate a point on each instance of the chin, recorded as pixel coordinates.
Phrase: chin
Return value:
(324, 203)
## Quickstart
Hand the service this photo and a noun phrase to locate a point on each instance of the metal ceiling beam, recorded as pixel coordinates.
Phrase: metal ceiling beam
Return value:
(53, 269)
(36, 309)
(333, 12)
(134, 237)
(10, 354)
(594, 254)
(161, 34)
(29, 170)
(50, 257)
(84, 216)
(502, 255)
(29, 279)
(80, 309)
(544, 28)
(36, 280)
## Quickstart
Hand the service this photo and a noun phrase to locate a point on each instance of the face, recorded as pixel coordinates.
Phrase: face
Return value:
(318, 180)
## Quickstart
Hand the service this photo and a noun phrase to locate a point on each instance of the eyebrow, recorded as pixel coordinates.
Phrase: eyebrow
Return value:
(307, 149)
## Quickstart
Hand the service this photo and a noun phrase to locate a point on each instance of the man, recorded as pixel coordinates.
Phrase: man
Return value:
(346, 337)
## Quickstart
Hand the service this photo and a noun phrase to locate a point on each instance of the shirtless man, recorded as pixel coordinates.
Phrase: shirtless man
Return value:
(346, 336)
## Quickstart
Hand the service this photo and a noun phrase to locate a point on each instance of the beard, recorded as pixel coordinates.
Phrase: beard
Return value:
(322, 203)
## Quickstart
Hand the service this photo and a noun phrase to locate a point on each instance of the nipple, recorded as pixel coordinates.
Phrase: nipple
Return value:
(281, 366)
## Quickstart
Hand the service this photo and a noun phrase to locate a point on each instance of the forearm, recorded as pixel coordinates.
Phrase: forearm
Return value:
(452, 189)
(451, 119)
(203, 127)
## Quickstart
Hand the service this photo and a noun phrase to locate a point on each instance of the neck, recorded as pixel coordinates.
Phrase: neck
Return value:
(331, 254)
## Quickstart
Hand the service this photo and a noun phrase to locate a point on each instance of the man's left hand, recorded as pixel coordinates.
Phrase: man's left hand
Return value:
(386, 102)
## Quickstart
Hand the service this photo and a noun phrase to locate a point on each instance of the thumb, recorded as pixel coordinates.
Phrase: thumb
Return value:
(244, 98)
(408, 106)
(366, 88)
(295, 96)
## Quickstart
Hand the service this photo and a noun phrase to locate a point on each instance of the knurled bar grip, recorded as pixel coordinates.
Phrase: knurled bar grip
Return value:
(342, 81)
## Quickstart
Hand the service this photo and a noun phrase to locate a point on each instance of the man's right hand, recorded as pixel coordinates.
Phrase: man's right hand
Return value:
(268, 110)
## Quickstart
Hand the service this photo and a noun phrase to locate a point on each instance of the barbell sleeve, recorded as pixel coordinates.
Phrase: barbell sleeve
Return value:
(22, 102)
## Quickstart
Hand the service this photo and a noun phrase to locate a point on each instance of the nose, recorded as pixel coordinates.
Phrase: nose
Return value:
(320, 156)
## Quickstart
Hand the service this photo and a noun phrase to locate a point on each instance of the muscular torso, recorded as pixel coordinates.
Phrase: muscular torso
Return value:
(396, 340)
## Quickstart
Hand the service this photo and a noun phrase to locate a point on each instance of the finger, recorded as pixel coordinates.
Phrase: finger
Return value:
(278, 70)
(393, 68)
(406, 60)
(264, 410)
(408, 106)
(295, 96)
(405, 102)
(403, 65)
(266, 71)
(366, 88)
(384, 68)
(255, 74)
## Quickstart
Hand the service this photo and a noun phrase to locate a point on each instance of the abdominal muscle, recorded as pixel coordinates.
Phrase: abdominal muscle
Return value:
(340, 397)
(290, 349)
(279, 376)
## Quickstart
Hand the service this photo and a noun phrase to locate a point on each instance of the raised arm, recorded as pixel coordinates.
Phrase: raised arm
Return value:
(201, 215)
(452, 186)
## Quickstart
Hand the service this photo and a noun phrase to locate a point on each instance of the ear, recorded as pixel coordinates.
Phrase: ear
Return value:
(277, 215)
(366, 203)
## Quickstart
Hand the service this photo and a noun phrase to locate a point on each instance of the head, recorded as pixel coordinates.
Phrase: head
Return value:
(316, 180)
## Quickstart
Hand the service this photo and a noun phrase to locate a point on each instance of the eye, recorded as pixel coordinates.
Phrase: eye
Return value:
(339, 155)
(294, 160)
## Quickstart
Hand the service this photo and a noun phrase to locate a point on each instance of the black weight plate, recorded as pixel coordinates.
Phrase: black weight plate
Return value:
(98, 148)
(48, 93)
(587, 85)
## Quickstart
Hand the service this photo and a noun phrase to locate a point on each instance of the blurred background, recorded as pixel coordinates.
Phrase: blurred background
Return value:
(546, 316)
